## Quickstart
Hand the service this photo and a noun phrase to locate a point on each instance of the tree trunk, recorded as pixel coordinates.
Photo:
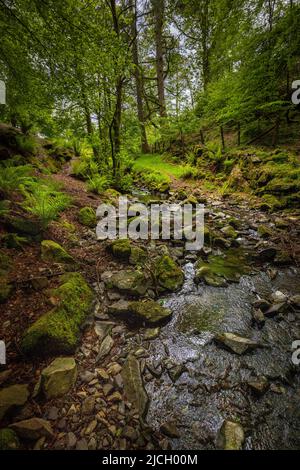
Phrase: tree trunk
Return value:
(159, 11)
(115, 137)
(138, 82)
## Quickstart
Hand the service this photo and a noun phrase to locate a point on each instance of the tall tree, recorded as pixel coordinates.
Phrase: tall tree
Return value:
(138, 80)
(159, 18)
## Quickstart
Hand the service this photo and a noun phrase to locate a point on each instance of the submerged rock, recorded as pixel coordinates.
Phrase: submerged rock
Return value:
(231, 436)
(133, 385)
(259, 385)
(59, 377)
(11, 397)
(169, 429)
(235, 343)
(218, 269)
(149, 311)
(58, 331)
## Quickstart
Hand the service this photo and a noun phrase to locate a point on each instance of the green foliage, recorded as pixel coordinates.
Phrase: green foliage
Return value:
(98, 183)
(13, 177)
(44, 201)
(26, 144)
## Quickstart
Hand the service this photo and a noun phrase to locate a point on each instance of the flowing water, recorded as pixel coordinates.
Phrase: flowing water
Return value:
(213, 385)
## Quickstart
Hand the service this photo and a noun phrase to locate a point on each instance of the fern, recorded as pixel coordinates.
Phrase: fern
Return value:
(12, 177)
(44, 202)
(4, 208)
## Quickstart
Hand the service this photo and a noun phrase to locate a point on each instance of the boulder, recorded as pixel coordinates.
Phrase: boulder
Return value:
(235, 343)
(58, 331)
(149, 312)
(11, 397)
(87, 217)
(129, 282)
(231, 436)
(54, 253)
(8, 440)
(59, 377)
(168, 274)
(33, 428)
(133, 385)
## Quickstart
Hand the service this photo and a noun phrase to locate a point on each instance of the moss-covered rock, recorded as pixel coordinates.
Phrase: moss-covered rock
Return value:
(87, 217)
(23, 226)
(58, 331)
(264, 231)
(231, 436)
(138, 256)
(59, 377)
(229, 232)
(8, 440)
(55, 253)
(229, 266)
(121, 249)
(148, 312)
(168, 274)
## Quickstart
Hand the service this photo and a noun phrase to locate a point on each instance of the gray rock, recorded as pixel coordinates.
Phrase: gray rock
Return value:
(105, 348)
(133, 385)
(88, 406)
(11, 397)
(33, 428)
(149, 311)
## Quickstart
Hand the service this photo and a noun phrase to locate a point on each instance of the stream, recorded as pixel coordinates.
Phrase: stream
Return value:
(198, 384)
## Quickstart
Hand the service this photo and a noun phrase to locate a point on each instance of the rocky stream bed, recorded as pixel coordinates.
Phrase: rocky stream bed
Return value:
(205, 360)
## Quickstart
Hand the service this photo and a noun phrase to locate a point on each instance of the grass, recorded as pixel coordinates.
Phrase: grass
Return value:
(155, 162)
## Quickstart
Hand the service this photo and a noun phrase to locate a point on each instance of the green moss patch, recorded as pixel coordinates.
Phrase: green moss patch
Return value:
(87, 217)
(53, 252)
(168, 274)
(58, 331)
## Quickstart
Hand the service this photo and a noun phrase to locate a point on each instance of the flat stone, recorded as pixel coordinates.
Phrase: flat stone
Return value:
(236, 343)
(150, 312)
(13, 396)
(133, 385)
(105, 348)
(33, 428)
(259, 385)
